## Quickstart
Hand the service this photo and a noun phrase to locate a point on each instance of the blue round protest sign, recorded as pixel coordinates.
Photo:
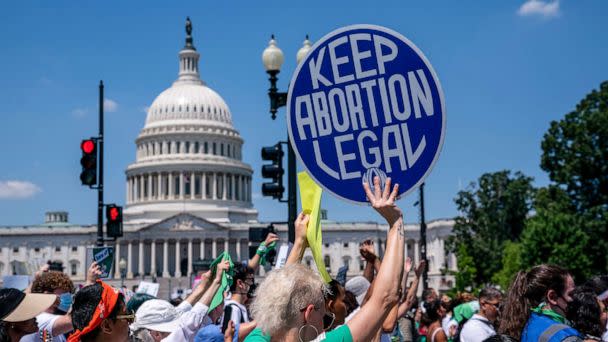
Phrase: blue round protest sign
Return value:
(365, 102)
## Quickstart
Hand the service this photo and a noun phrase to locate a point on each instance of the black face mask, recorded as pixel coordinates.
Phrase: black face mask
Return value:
(251, 292)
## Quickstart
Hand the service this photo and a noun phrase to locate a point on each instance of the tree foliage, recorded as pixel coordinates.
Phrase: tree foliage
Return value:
(575, 154)
(555, 235)
(511, 264)
(493, 211)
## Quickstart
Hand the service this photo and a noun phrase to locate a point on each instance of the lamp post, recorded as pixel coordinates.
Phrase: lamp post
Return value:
(122, 267)
(273, 59)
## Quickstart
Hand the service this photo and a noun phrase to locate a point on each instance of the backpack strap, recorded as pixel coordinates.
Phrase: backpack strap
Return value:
(551, 331)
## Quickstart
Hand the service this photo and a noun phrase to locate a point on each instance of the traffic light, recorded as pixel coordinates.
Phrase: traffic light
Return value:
(114, 220)
(88, 176)
(273, 171)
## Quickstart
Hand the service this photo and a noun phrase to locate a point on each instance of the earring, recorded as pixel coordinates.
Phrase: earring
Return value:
(302, 327)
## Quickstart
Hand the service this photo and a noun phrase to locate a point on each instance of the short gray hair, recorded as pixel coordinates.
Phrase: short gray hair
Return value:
(283, 294)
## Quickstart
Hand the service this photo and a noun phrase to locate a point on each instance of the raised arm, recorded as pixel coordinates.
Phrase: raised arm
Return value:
(391, 319)
(367, 252)
(385, 296)
(300, 243)
(199, 289)
(406, 305)
(254, 262)
(215, 284)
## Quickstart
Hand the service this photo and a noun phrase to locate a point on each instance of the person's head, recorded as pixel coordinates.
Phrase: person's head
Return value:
(429, 295)
(242, 280)
(550, 285)
(57, 283)
(358, 286)
(599, 284)
(351, 302)
(290, 299)
(586, 312)
(137, 300)
(489, 301)
(99, 313)
(158, 317)
(434, 311)
(18, 312)
(335, 304)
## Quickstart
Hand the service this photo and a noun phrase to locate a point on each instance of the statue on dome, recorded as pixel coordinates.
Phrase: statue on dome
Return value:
(188, 26)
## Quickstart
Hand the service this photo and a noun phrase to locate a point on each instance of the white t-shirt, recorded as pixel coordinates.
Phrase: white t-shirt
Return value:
(45, 322)
(477, 329)
(238, 311)
(189, 322)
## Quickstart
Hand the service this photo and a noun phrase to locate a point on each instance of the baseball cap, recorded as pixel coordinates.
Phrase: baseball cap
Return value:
(358, 286)
(16, 306)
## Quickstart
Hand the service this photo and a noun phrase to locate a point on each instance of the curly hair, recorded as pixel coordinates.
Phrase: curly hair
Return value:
(584, 312)
(51, 281)
(282, 295)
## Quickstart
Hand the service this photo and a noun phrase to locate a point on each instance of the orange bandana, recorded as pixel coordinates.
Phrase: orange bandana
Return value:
(109, 298)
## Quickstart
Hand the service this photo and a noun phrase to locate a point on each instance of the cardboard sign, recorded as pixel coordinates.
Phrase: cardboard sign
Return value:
(282, 255)
(104, 256)
(366, 102)
(148, 287)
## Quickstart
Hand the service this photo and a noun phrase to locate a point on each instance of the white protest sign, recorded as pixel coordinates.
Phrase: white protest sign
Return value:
(148, 287)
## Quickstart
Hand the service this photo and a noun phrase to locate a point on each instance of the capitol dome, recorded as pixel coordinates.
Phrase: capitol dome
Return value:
(188, 155)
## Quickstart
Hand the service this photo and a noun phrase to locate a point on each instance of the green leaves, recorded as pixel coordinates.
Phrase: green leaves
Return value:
(493, 211)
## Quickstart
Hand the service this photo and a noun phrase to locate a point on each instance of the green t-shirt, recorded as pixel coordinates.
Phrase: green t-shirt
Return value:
(340, 334)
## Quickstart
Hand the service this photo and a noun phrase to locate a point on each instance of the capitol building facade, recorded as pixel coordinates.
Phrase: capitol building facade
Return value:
(188, 197)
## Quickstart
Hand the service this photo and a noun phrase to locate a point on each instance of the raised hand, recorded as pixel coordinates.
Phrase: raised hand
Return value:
(384, 202)
(420, 268)
(301, 226)
(270, 238)
(407, 267)
(366, 249)
(222, 267)
(93, 273)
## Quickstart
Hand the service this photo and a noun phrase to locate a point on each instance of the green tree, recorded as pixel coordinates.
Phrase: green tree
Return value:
(493, 211)
(575, 154)
(511, 264)
(555, 234)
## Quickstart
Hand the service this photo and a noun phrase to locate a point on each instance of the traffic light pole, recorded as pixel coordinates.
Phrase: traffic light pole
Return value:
(292, 199)
(100, 239)
(425, 275)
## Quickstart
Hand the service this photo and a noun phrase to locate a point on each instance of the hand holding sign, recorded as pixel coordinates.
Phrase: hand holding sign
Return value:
(365, 103)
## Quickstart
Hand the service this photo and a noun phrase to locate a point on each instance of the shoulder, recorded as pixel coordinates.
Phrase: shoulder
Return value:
(257, 336)
(340, 334)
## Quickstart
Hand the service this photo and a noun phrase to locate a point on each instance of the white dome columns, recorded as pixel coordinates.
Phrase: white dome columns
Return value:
(188, 66)
(188, 185)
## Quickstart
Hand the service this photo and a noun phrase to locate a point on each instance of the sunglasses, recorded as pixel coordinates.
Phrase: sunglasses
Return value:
(129, 317)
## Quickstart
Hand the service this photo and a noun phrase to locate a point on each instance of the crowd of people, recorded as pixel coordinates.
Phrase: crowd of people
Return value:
(294, 304)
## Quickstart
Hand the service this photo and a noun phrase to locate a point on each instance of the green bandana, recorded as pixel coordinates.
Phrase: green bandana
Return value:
(226, 279)
(541, 309)
(263, 251)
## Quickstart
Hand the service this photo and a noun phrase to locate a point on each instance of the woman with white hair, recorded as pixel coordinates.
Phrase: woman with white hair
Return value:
(289, 304)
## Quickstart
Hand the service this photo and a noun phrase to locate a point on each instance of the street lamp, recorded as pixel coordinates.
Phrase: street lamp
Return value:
(122, 267)
(273, 59)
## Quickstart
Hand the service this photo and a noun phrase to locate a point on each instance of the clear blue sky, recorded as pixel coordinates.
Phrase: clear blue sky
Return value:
(507, 69)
